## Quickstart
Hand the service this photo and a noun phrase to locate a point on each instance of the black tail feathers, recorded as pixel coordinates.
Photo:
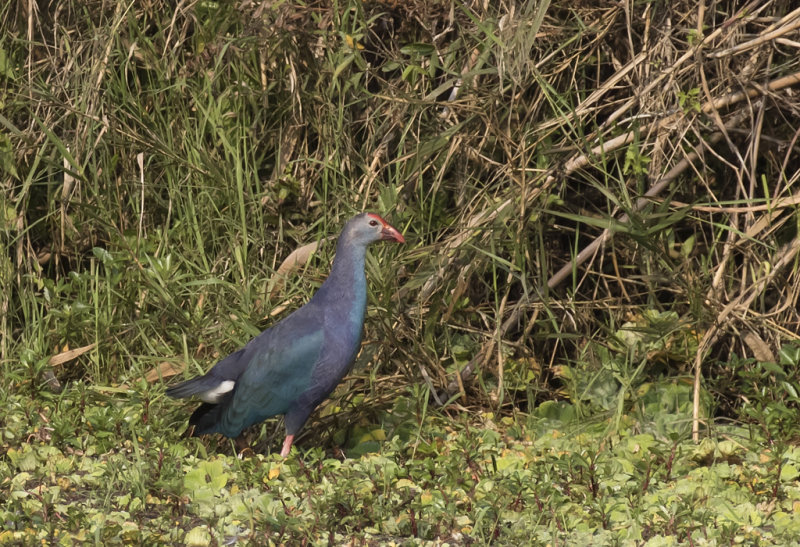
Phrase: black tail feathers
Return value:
(204, 419)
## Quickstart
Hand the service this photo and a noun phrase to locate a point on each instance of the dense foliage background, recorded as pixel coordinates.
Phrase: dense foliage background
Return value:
(601, 207)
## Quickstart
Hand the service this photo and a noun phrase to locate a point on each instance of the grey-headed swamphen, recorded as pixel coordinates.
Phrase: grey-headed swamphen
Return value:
(294, 365)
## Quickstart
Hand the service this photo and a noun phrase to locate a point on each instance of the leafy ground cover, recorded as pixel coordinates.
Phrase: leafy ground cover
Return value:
(112, 470)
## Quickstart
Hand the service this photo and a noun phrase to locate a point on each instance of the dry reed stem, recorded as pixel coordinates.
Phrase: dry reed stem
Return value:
(787, 24)
(784, 257)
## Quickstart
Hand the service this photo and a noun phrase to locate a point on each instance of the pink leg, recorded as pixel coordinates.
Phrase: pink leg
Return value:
(287, 445)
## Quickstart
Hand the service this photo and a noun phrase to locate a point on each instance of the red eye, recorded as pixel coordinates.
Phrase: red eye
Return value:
(373, 222)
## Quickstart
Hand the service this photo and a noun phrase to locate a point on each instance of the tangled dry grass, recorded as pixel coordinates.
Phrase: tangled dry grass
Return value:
(561, 167)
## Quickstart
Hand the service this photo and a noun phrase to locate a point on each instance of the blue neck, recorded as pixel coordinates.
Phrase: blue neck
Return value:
(346, 286)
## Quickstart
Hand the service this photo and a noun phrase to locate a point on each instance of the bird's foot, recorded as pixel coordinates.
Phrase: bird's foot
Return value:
(287, 445)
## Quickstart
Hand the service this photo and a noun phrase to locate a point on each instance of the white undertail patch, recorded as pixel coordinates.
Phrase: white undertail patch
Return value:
(213, 396)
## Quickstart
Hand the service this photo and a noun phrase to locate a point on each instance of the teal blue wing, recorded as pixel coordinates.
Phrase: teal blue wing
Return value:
(279, 369)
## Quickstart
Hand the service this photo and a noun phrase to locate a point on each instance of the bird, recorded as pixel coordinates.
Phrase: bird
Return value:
(292, 366)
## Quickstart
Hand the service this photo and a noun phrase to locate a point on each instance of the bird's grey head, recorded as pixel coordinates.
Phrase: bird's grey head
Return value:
(367, 228)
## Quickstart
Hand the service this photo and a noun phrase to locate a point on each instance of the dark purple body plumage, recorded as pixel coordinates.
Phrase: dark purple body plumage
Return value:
(294, 365)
